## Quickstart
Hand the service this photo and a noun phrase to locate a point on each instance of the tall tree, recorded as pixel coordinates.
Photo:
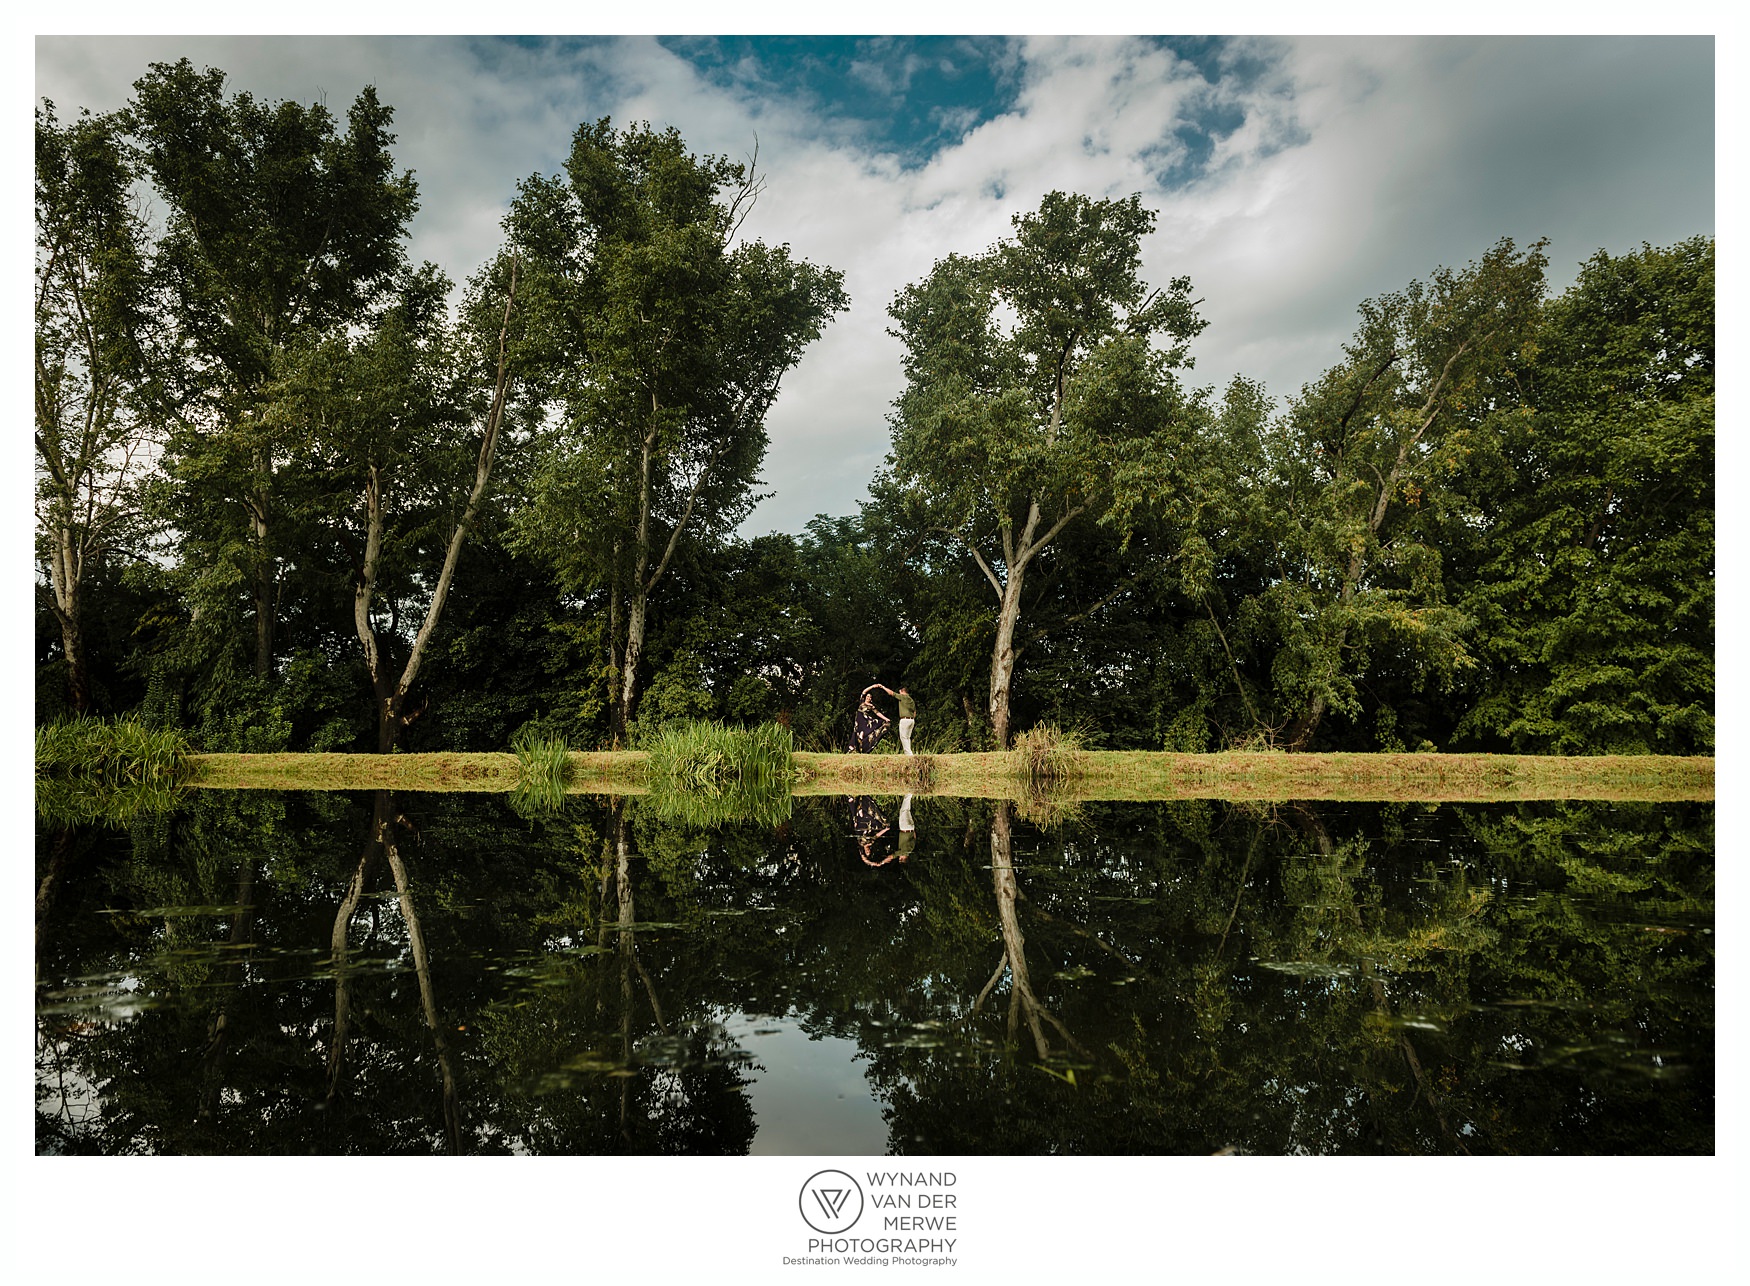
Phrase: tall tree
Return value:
(386, 414)
(1596, 599)
(94, 318)
(279, 226)
(1039, 391)
(669, 337)
(1364, 471)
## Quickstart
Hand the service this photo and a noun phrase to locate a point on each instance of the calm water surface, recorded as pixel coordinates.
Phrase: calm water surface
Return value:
(1160, 978)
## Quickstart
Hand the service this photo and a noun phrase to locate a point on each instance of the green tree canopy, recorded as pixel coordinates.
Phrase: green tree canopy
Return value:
(279, 226)
(1040, 390)
(95, 314)
(667, 337)
(1366, 474)
(1596, 599)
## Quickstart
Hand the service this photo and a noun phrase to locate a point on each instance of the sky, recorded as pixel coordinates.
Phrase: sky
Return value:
(1292, 177)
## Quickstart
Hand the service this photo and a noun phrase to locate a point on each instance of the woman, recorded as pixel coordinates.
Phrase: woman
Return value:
(867, 725)
(869, 824)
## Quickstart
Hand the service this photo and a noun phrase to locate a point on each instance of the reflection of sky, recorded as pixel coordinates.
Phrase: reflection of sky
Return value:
(811, 1099)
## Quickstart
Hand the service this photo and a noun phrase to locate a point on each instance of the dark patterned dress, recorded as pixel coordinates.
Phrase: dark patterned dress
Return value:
(866, 729)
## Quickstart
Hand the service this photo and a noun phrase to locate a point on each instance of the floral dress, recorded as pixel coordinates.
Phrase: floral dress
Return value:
(866, 729)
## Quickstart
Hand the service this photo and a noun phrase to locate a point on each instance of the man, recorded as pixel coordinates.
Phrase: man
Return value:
(908, 713)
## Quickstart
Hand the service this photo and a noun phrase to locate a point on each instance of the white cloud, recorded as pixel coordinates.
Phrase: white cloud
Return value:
(1360, 163)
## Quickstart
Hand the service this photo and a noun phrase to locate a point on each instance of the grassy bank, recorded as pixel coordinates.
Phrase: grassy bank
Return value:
(1150, 775)
(600, 773)
(1142, 775)
(1115, 775)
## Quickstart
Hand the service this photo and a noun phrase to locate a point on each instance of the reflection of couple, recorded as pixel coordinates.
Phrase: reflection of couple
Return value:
(869, 723)
(870, 824)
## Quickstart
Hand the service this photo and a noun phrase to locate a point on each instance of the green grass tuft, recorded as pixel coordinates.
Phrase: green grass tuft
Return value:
(543, 770)
(96, 770)
(703, 773)
(1047, 753)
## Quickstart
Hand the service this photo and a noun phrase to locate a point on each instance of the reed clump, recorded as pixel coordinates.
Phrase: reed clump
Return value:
(702, 772)
(543, 771)
(98, 770)
(1047, 753)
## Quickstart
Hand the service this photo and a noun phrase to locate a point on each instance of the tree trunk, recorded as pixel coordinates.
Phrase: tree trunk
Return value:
(972, 724)
(635, 603)
(1301, 731)
(60, 857)
(78, 676)
(616, 711)
(618, 842)
(338, 946)
(1024, 1003)
(65, 566)
(231, 980)
(1002, 659)
(73, 646)
(262, 588)
(627, 947)
(391, 695)
(1016, 555)
(427, 996)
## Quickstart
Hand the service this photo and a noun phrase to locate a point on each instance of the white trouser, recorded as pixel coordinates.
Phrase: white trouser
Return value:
(905, 727)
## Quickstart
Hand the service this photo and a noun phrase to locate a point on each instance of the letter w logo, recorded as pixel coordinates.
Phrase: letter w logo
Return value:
(832, 1200)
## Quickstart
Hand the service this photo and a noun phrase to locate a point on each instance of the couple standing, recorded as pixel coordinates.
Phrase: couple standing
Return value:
(869, 722)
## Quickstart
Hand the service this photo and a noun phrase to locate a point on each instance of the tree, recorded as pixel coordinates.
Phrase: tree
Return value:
(667, 340)
(279, 227)
(1365, 471)
(94, 315)
(384, 413)
(1010, 430)
(1596, 596)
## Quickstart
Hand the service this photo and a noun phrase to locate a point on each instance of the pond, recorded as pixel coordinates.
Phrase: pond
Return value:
(1191, 977)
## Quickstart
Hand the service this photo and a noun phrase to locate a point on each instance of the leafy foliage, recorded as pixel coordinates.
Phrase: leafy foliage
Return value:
(667, 339)
(1007, 432)
(97, 364)
(1596, 592)
(1487, 525)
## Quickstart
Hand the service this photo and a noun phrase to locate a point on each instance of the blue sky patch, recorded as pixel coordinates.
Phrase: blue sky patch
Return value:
(906, 95)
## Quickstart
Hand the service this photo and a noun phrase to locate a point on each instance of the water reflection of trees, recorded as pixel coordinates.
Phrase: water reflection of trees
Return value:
(1285, 990)
(384, 838)
(1024, 1002)
(1170, 978)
